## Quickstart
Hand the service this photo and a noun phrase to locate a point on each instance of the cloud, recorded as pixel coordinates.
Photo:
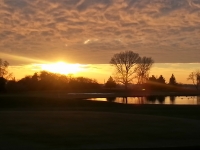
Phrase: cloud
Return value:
(94, 30)
(87, 41)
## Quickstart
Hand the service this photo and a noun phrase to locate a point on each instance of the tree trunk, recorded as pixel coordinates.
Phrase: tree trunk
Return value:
(125, 100)
(197, 87)
(126, 87)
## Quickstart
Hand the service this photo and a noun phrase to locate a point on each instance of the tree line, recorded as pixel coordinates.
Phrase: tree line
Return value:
(51, 81)
(129, 67)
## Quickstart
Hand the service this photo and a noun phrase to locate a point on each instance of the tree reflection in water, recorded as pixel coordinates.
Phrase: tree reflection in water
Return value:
(141, 100)
(111, 99)
(125, 100)
(198, 100)
(153, 99)
(161, 99)
(175, 100)
(172, 99)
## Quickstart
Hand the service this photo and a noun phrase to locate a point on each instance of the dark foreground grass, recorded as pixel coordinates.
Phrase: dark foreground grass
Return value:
(58, 123)
(94, 130)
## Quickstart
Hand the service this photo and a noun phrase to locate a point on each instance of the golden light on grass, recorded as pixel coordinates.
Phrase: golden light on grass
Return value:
(62, 68)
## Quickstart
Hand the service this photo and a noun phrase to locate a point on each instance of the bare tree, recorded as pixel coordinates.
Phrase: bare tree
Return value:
(195, 77)
(142, 69)
(124, 63)
(4, 73)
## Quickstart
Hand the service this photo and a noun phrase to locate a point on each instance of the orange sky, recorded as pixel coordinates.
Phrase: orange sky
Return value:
(101, 72)
(92, 31)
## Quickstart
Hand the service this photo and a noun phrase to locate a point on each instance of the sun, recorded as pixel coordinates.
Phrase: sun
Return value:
(62, 68)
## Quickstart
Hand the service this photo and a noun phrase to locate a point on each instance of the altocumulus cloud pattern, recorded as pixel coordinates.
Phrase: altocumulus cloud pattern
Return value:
(91, 31)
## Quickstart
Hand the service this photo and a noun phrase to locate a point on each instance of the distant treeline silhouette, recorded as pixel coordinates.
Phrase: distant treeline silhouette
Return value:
(51, 81)
(45, 80)
(159, 84)
(128, 70)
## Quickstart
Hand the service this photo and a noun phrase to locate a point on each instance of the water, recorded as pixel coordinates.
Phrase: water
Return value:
(173, 100)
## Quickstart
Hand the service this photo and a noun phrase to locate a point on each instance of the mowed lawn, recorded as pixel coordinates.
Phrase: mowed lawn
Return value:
(27, 123)
(93, 130)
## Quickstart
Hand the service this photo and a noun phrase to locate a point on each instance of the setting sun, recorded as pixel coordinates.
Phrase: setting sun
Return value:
(62, 68)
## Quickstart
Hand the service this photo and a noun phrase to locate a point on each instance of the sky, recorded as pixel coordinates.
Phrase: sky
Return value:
(92, 31)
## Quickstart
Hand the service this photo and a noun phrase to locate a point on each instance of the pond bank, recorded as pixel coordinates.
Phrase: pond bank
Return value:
(72, 95)
(130, 94)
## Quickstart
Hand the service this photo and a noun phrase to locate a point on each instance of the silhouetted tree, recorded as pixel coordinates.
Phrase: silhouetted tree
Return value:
(4, 69)
(48, 80)
(38, 81)
(12, 86)
(35, 77)
(154, 83)
(51, 81)
(161, 79)
(151, 83)
(142, 69)
(2, 84)
(152, 78)
(172, 80)
(124, 63)
(83, 83)
(35, 80)
(110, 83)
(26, 82)
(195, 77)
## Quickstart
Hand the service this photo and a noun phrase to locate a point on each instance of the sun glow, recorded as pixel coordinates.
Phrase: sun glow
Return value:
(62, 68)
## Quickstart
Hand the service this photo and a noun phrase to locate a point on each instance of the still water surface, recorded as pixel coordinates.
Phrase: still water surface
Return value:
(174, 100)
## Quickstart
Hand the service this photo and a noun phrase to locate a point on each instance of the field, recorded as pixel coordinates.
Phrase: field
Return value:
(57, 122)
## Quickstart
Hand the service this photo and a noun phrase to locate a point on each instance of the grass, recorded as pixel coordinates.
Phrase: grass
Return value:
(36, 122)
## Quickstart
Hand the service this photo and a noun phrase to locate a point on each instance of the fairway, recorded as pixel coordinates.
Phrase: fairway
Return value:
(94, 130)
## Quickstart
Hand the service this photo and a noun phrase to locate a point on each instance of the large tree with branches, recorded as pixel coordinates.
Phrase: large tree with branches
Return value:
(195, 78)
(4, 73)
(142, 69)
(124, 63)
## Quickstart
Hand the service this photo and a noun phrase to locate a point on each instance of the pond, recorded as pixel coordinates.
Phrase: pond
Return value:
(173, 100)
